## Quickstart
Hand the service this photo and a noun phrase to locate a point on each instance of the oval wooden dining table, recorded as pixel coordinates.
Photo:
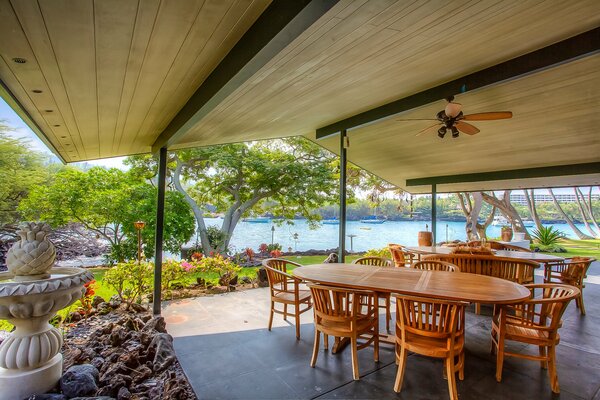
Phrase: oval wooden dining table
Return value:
(519, 255)
(470, 288)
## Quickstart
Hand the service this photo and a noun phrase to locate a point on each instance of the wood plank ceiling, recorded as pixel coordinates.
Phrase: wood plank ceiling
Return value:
(104, 78)
(363, 54)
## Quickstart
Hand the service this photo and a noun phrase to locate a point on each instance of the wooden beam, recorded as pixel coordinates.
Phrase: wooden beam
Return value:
(160, 229)
(567, 50)
(343, 187)
(525, 173)
(281, 23)
(18, 108)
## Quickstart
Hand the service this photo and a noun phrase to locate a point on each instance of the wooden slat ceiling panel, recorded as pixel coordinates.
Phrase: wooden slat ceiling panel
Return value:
(364, 54)
(114, 73)
(555, 122)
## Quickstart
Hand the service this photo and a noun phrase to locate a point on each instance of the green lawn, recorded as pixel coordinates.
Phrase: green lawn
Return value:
(584, 248)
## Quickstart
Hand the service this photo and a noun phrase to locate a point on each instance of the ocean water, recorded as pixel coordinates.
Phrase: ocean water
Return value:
(368, 236)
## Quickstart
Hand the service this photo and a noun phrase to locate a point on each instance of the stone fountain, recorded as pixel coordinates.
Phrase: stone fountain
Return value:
(31, 293)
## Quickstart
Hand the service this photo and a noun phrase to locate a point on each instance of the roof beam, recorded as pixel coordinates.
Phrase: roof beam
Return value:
(567, 50)
(18, 108)
(525, 173)
(281, 23)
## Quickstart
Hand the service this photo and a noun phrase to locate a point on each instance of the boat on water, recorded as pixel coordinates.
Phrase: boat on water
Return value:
(331, 221)
(501, 220)
(257, 220)
(373, 219)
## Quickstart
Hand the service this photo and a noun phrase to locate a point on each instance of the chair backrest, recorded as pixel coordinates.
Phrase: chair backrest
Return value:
(277, 273)
(340, 304)
(429, 317)
(400, 255)
(573, 270)
(374, 261)
(435, 265)
(519, 271)
(493, 244)
(544, 313)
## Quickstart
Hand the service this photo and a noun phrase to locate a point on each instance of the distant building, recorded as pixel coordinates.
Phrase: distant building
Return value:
(520, 199)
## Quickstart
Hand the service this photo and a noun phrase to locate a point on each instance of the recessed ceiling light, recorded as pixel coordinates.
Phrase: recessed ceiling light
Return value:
(37, 91)
(19, 60)
(63, 137)
(48, 111)
(56, 126)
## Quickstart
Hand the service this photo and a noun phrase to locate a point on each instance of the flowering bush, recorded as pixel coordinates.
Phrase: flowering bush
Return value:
(275, 253)
(174, 271)
(196, 256)
(263, 248)
(383, 252)
(222, 266)
(249, 253)
(131, 280)
(86, 300)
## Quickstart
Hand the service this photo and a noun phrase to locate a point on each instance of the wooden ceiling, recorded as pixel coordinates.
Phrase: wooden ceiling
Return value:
(113, 75)
(104, 78)
(363, 54)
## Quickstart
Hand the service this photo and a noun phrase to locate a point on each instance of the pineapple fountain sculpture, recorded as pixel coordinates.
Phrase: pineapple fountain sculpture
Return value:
(31, 292)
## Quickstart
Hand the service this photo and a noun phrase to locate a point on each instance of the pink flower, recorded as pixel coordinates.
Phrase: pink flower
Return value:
(187, 266)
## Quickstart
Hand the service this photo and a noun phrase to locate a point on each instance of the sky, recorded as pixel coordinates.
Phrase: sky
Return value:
(23, 131)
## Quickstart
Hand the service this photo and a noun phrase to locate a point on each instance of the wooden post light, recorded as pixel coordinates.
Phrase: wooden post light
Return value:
(139, 225)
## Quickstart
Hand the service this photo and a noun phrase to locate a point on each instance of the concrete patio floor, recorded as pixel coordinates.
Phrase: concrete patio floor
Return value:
(227, 353)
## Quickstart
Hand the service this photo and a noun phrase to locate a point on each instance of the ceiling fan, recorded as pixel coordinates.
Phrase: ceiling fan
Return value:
(452, 119)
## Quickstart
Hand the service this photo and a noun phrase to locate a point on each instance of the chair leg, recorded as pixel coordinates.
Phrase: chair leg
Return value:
(271, 316)
(477, 308)
(388, 313)
(355, 373)
(297, 316)
(401, 360)
(552, 369)
(376, 345)
(543, 363)
(579, 302)
(499, 357)
(285, 314)
(326, 342)
(461, 371)
(315, 353)
(451, 378)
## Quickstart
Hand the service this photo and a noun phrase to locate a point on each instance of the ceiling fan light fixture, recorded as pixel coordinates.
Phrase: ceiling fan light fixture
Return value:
(442, 132)
(454, 132)
(452, 109)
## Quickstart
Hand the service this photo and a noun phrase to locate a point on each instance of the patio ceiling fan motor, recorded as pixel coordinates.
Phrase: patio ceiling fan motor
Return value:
(451, 118)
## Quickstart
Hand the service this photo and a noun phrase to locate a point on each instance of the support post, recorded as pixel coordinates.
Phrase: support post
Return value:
(160, 222)
(434, 212)
(343, 162)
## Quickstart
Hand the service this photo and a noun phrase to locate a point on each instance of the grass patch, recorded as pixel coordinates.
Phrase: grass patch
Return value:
(583, 248)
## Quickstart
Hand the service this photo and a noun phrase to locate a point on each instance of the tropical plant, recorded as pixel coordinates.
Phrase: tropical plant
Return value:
(263, 248)
(222, 266)
(273, 246)
(547, 236)
(87, 298)
(383, 252)
(249, 253)
(131, 280)
(174, 272)
(275, 253)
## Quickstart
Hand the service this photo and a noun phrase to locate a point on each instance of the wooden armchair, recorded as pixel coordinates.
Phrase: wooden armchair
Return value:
(402, 256)
(433, 328)
(380, 262)
(499, 246)
(434, 265)
(571, 272)
(535, 321)
(285, 289)
(345, 313)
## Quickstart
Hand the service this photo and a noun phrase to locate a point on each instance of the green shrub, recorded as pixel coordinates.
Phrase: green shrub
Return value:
(220, 265)
(383, 252)
(273, 246)
(547, 236)
(175, 272)
(131, 280)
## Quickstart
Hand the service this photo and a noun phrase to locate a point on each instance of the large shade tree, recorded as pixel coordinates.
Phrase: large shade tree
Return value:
(286, 177)
(108, 202)
(21, 169)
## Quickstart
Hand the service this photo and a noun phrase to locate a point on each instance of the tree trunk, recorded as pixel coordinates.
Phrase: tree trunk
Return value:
(482, 229)
(471, 212)
(590, 209)
(567, 219)
(583, 212)
(198, 213)
(530, 196)
(508, 210)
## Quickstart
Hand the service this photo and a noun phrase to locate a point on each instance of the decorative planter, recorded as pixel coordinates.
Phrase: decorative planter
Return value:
(425, 238)
(507, 234)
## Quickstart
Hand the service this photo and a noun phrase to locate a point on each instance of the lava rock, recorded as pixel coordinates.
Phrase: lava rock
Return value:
(77, 384)
(164, 351)
(94, 398)
(156, 323)
(246, 279)
(263, 280)
(98, 362)
(124, 394)
(86, 369)
(118, 336)
(48, 396)
(97, 301)
(115, 301)
(113, 386)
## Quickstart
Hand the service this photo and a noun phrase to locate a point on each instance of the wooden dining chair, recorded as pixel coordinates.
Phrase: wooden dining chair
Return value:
(571, 271)
(402, 256)
(432, 328)
(380, 262)
(345, 313)
(285, 289)
(534, 321)
(434, 265)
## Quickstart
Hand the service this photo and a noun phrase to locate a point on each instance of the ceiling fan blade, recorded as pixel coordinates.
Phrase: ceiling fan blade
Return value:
(422, 131)
(417, 119)
(466, 128)
(488, 116)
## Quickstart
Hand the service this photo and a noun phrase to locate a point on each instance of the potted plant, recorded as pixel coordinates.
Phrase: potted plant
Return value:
(506, 232)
